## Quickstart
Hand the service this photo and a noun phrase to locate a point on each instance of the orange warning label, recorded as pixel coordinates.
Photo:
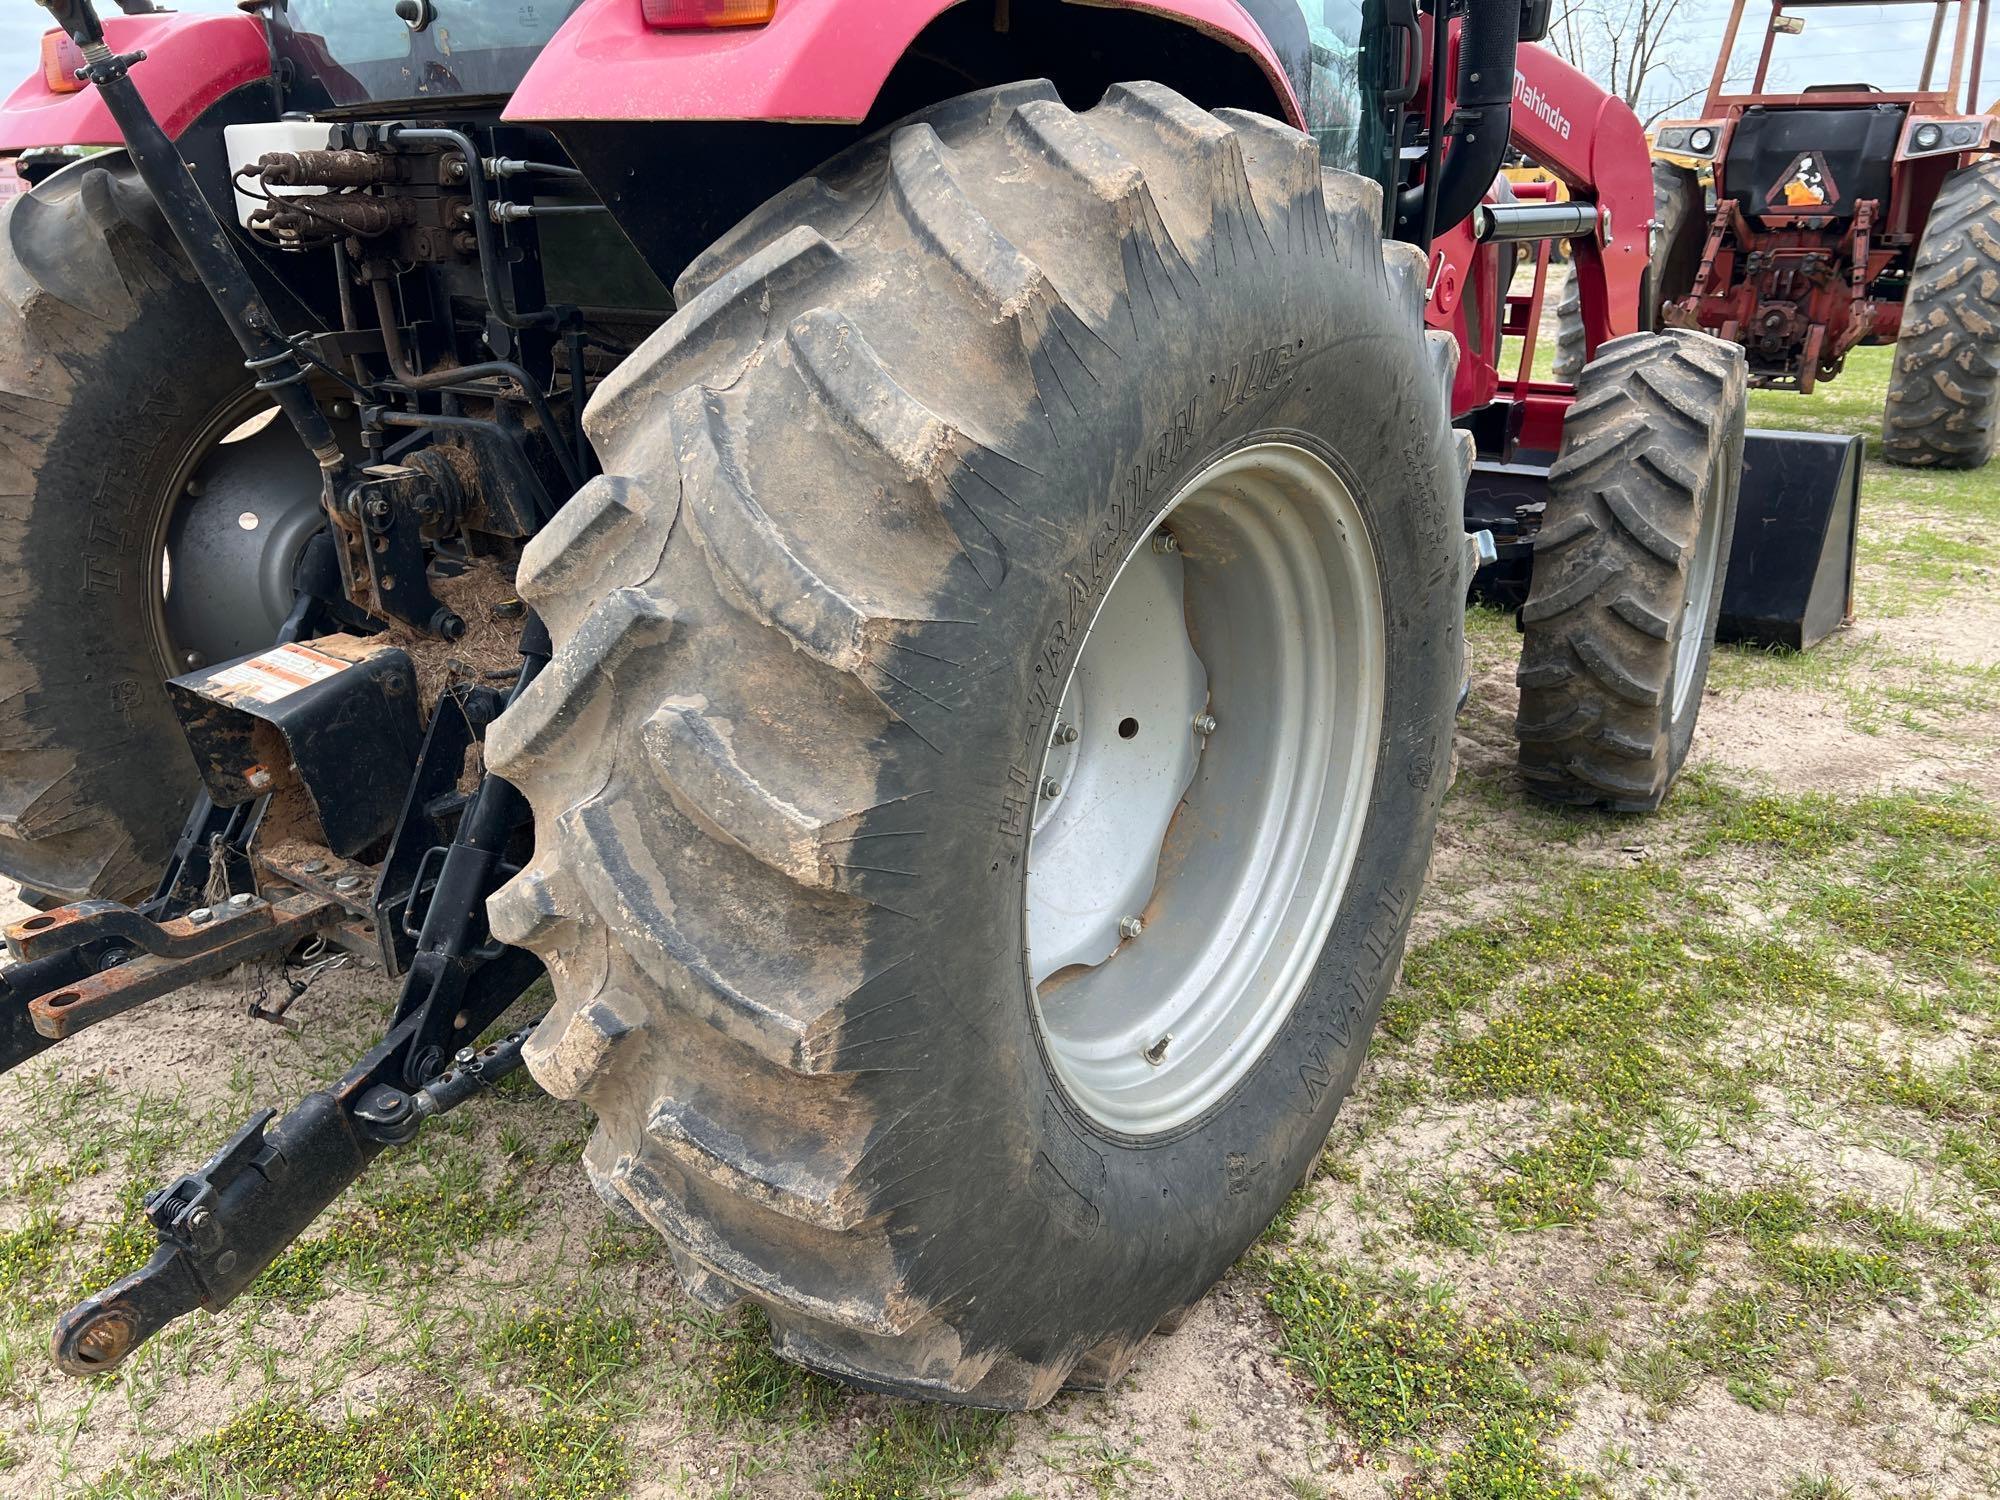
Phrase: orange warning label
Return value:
(277, 673)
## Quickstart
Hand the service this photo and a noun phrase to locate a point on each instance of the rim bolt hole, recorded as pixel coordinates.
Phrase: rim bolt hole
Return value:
(1127, 728)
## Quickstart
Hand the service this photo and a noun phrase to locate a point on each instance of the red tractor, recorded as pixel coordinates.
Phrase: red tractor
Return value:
(1850, 213)
(919, 583)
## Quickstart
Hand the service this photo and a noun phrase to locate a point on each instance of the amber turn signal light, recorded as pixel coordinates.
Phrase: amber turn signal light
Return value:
(61, 57)
(704, 15)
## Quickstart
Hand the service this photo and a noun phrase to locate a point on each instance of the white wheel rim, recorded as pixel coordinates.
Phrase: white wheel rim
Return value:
(1700, 589)
(1232, 848)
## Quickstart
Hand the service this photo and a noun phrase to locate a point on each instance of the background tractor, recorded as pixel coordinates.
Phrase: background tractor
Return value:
(918, 582)
(1847, 213)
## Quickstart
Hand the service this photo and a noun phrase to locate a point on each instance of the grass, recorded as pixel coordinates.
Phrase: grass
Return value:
(30, 1259)
(1600, 1006)
(1388, 1361)
(921, 1450)
(747, 1382)
(1398, 1360)
(1442, 1216)
(566, 1354)
(436, 1203)
(465, 1447)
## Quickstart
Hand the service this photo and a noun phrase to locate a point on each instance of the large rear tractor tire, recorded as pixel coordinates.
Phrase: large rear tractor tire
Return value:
(1001, 700)
(1676, 260)
(1944, 392)
(131, 455)
(1629, 562)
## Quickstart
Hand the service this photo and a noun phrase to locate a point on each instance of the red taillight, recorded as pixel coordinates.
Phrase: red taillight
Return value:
(701, 15)
(61, 57)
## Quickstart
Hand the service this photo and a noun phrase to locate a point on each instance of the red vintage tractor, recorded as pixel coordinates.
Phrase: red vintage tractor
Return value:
(920, 584)
(1850, 213)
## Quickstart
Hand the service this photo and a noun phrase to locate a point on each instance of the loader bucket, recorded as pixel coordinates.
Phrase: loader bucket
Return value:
(1791, 565)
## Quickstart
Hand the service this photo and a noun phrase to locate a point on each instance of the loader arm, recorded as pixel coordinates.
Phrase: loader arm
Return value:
(1594, 144)
(1591, 142)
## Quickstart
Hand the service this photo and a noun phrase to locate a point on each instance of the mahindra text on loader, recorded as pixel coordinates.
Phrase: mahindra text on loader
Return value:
(917, 580)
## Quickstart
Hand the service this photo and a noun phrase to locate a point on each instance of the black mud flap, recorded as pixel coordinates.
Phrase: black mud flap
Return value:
(1791, 572)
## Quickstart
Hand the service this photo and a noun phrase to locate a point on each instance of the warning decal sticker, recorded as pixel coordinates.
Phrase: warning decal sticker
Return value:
(275, 674)
(1806, 183)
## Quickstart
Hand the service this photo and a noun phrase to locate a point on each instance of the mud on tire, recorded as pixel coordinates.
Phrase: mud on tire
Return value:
(111, 355)
(1634, 544)
(1944, 391)
(861, 494)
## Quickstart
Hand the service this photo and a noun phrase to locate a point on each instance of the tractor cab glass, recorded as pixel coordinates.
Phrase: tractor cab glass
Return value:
(358, 51)
(1340, 57)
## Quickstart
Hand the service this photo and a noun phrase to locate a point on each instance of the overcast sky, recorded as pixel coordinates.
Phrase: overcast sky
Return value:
(1880, 44)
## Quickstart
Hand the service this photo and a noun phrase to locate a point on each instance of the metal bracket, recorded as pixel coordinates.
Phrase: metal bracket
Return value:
(139, 959)
(221, 1226)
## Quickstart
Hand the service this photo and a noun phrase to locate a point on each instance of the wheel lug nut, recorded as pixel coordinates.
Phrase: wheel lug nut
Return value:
(1165, 542)
(1051, 787)
(1204, 724)
(1131, 927)
(1065, 734)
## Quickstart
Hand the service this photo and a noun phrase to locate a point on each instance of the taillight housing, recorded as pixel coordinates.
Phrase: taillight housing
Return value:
(705, 15)
(61, 57)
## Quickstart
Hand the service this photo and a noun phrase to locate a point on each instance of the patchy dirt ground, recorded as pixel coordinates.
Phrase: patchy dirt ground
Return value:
(1675, 1173)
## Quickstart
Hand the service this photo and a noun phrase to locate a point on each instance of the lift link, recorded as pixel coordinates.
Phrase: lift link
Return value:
(221, 1226)
(202, 239)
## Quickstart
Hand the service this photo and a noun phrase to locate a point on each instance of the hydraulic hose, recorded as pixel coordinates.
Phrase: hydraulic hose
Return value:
(1479, 123)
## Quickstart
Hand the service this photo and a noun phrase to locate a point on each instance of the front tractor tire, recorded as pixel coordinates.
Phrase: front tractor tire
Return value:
(1001, 701)
(1628, 568)
(1944, 390)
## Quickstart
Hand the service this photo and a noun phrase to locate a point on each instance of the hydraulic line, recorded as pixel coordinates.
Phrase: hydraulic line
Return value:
(482, 221)
(407, 376)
